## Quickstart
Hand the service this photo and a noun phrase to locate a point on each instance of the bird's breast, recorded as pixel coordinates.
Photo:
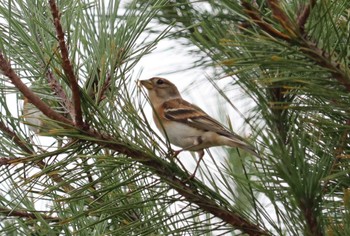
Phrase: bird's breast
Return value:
(181, 135)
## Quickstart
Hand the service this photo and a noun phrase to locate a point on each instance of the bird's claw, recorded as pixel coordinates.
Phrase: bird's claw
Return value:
(174, 153)
(189, 178)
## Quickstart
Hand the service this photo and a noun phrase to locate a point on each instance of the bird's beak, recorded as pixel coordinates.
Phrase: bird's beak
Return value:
(146, 83)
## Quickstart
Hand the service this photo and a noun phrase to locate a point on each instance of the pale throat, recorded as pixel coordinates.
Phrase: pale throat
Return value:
(157, 100)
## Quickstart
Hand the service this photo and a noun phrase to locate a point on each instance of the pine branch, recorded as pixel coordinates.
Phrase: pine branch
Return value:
(67, 65)
(26, 214)
(41, 164)
(13, 136)
(187, 189)
(324, 59)
(306, 46)
(282, 17)
(255, 15)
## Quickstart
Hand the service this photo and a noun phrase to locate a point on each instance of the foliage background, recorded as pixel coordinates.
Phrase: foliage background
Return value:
(103, 171)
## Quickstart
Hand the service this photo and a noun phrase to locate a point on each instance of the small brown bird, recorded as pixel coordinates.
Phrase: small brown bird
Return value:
(32, 116)
(186, 125)
(37, 122)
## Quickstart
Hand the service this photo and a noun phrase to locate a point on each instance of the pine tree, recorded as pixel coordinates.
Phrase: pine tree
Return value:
(98, 168)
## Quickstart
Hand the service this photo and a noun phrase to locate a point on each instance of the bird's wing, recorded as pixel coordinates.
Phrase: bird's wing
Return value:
(182, 111)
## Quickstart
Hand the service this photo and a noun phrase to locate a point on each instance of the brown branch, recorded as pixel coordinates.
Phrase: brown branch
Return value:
(282, 17)
(25, 214)
(105, 87)
(186, 189)
(7, 70)
(254, 14)
(324, 59)
(67, 65)
(6, 161)
(304, 15)
(12, 135)
(14, 160)
(310, 217)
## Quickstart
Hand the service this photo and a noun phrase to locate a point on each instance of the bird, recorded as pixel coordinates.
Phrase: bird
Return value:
(32, 116)
(186, 125)
(35, 120)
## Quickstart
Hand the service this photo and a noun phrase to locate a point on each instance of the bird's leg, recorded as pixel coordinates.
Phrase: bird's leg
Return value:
(176, 153)
(201, 155)
(173, 154)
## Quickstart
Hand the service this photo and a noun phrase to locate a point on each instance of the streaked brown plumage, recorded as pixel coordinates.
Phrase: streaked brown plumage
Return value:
(186, 125)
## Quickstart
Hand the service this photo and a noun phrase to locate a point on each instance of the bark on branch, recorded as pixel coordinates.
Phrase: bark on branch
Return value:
(26, 214)
(255, 15)
(67, 65)
(186, 189)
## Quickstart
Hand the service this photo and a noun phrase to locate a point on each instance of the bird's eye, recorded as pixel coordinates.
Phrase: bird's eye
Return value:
(160, 81)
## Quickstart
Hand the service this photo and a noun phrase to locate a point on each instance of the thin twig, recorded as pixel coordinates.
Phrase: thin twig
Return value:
(324, 59)
(304, 15)
(105, 87)
(29, 215)
(254, 14)
(279, 14)
(12, 135)
(6, 161)
(67, 65)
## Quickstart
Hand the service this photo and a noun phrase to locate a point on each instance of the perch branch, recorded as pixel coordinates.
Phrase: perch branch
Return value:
(307, 47)
(190, 192)
(25, 214)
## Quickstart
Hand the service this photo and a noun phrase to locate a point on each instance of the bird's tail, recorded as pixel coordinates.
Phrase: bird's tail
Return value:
(239, 143)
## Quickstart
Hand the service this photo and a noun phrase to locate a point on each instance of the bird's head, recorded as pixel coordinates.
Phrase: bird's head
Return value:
(160, 89)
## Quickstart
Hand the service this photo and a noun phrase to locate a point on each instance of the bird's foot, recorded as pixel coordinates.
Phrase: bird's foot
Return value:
(174, 153)
(189, 178)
